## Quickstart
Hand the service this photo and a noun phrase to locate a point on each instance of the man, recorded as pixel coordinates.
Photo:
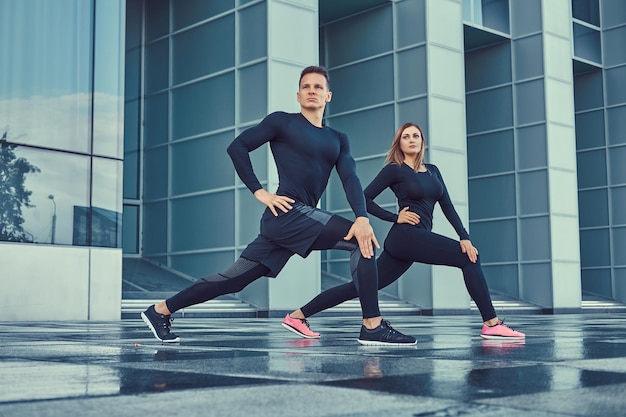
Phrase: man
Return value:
(305, 152)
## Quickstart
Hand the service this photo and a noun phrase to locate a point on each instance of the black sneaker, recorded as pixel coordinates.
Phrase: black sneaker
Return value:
(160, 325)
(384, 335)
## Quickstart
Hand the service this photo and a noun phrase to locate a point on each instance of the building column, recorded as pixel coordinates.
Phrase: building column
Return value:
(441, 288)
(556, 288)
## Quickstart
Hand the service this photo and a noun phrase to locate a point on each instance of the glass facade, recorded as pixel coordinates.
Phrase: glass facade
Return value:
(61, 118)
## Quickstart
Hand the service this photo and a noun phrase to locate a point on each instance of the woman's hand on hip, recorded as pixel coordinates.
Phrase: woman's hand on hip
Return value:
(406, 216)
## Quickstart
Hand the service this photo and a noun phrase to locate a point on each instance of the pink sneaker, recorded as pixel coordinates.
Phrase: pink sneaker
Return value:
(299, 327)
(500, 331)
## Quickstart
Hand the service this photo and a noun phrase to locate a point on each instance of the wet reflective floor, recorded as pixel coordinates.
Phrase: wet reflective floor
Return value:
(569, 365)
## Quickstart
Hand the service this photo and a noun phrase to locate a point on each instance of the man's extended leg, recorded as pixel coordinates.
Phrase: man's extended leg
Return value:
(234, 279)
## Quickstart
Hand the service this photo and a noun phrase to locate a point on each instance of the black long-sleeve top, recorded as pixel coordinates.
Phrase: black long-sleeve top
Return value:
(419, 191)
(305, 156)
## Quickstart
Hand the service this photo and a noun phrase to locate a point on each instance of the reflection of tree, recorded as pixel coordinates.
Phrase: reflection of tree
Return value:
(13, 194)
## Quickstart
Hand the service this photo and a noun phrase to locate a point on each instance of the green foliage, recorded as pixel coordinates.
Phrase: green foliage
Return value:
(13, 194)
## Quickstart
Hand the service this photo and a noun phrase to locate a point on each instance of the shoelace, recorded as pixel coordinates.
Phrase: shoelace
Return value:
(167, 322)
(305, 322)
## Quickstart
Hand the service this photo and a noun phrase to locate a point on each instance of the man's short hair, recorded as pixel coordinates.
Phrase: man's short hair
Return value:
(313, 69)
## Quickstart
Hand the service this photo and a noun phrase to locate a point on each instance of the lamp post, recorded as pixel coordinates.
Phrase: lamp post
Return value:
(54, 219)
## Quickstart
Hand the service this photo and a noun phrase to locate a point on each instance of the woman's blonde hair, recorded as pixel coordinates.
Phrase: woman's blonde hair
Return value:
(395, 154)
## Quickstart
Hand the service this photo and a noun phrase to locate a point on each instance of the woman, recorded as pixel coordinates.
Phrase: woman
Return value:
(418, 187)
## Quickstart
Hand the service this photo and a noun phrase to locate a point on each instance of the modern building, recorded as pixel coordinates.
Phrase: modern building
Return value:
(115, 117)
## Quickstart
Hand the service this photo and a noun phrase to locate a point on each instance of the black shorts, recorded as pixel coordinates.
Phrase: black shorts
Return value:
(283, 235)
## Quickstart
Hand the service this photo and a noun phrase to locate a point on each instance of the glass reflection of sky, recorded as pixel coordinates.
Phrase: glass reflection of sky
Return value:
(66, 178)
(46, 74)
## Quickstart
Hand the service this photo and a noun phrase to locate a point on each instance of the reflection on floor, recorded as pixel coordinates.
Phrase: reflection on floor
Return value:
(570, 365)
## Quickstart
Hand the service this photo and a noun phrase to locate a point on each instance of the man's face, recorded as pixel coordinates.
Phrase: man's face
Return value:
(313, 93)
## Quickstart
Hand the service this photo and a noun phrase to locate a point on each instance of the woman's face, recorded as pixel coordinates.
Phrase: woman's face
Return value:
(411, 141)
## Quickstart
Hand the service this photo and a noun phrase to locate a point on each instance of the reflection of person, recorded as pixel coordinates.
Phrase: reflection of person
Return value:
(418, 187)
(305, 152)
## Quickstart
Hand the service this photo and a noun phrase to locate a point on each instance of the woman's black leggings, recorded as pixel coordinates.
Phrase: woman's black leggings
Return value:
(245, 271)
(405, 245)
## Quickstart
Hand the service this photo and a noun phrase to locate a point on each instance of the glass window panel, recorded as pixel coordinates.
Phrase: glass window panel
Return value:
(108, 82)
(491, 153)
(502, 278)
(613, 13)
(591, 169)
(46, 78)
(410, 23)
(335, 196)
(130, 229)
(370, 132)
(497, 240)
(156, 71)
(528, 57)
(533, 192)
(131, 149)
(588, 91)
(618, 202)
(616, 125)
(202, 164)
(587, 11)
(590, 130)
(188, 12)
(131, 175)
(537, 279)
(132, 74)
(587, 43)
(157, 17)
(617, 158)
(495, 14)
(195, 110)
(593, 208)
(202, 264)
(40, 194)
(488, 67)
(253, 92)
(412, 72)
(613, 42)
(203, 221)
(106, 202)
(619, 243)
(615, 79)
(250, 213)
(414, 111)
(154, 238)
(492, 197)
(155, 173)
(156, 118)
(367, 169)
(348, 91)
(531, 147)
(360, 36)
(597, 281)
(594, 248)
(252, 33)
(196, 53)
(530, 102)
(535, 239)
(489, 110)
(134, 14)
(526, 17)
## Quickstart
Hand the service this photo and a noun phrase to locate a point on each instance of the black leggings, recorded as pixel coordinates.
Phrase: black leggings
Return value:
(245, 271)
(405, 245)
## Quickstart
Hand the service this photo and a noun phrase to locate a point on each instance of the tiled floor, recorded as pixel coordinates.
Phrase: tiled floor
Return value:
(570, 365)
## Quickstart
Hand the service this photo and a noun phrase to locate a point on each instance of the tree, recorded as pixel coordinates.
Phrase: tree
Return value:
(13, 194)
